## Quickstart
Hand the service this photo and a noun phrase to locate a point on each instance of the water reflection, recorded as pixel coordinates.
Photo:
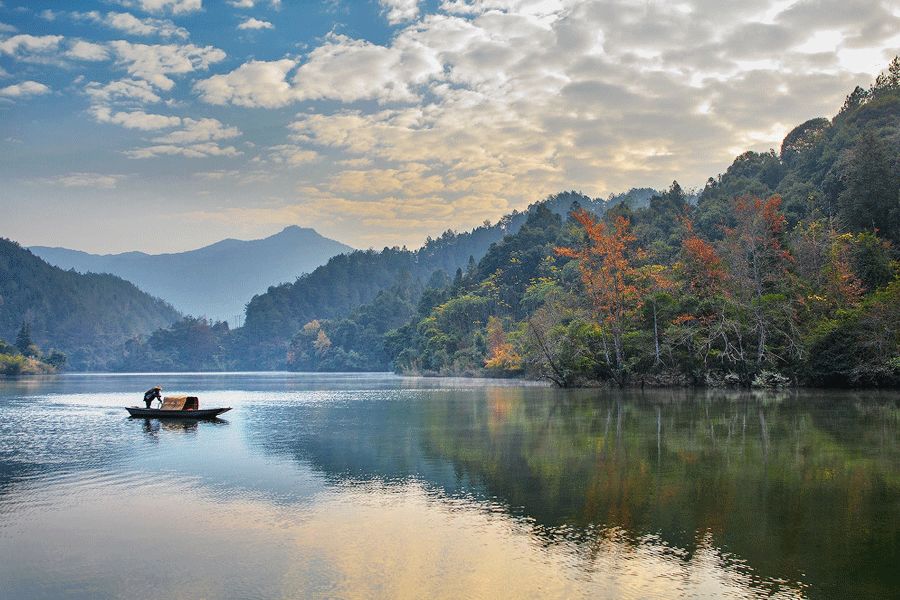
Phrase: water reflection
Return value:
(803, 488)
(152, 427)
(366, 487)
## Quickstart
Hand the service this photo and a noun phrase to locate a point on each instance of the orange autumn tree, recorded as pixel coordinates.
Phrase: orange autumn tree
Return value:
(501, 354)
(701, 264)
(610, 278)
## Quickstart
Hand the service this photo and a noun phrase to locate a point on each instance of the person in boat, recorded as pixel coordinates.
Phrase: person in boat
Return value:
(154, 393)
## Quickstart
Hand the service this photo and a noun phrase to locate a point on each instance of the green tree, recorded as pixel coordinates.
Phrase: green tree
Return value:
(870, 199)
(24, 342)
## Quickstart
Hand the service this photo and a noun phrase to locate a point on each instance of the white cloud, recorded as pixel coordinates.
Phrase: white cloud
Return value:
(25, 45)
(342, 69)
(200, 130)
(197, 138)
(130, 24)
(7, 28)
(85, 180)
(122, 90)
(175, 7)
(253, 84)
(154, 63)
(275, 4)
(252, 23)
(292, 155)
(398, 11)
(24, 89)
(191, 151)
(89, 51)
(134, 119)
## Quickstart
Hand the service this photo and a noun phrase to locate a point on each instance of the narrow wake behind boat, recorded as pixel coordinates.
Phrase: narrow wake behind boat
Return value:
(177, 407)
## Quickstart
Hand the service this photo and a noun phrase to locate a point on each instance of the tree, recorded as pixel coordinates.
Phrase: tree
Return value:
(758, 271)
(657, 283)
(610, 278)
(23, 340)
(871, 183)
(501, 357)
(702, 266)
(824, 261)
(56, 359)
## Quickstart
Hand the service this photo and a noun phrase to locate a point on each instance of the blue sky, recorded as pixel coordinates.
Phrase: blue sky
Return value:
(163, 125)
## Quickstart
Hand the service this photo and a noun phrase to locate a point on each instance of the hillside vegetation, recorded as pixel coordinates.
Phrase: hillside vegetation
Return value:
(87, 317)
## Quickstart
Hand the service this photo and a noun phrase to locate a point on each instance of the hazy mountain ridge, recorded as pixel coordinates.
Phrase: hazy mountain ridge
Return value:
(215, 281)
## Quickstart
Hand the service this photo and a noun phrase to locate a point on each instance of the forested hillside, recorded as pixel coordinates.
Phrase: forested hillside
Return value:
(87, 317)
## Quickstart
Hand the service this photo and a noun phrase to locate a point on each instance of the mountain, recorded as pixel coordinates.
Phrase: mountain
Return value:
(88, 317)
(215, 281)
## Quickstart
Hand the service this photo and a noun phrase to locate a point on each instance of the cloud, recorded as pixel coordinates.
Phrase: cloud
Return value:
(130, 24)
(253, 84)
(275, 4)
(191, 151)
(122, 90)
(252, 23)
(24, 89)
(85, 180)
(341, 69)
(398, 11)
(25, 45)
(81, 50)
(175, 7)
(7, 28)
(292, 155)
(154, 63)
(135, 119)
(200, 130)
(197, 138)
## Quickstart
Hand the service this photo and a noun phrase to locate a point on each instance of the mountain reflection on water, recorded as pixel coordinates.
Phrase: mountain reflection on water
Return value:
(362, 485)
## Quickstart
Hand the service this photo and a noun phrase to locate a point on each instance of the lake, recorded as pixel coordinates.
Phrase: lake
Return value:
(357, 486)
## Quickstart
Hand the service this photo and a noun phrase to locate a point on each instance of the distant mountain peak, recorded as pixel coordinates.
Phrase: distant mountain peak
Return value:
(216, 280)
(296, 229)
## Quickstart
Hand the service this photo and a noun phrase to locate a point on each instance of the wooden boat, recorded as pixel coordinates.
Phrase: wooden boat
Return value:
(161, 413)
(177, 407)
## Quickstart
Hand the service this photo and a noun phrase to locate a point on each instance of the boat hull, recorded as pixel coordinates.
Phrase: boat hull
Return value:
(157, 413)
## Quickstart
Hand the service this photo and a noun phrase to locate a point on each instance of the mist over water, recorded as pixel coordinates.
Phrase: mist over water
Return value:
(375, 485)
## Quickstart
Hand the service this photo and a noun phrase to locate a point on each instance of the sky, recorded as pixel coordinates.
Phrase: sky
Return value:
(165, 125)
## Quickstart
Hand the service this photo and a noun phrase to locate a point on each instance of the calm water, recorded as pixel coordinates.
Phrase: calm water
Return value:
(362, 486)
